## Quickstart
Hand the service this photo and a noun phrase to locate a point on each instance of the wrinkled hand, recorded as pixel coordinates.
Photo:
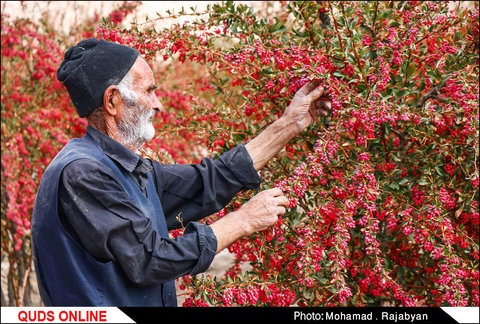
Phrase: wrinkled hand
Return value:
(263, 210)
(308, 105)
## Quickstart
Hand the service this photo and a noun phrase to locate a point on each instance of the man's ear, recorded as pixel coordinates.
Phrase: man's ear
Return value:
(111, 100)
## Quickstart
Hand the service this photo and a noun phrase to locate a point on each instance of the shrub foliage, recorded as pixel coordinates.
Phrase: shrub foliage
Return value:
(384, 191)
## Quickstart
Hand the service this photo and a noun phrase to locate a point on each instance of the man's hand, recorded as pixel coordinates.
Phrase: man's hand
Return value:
(263, 210)
(259, 213)
(307, 105)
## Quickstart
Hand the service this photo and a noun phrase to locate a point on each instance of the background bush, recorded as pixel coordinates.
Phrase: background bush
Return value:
(384, 191)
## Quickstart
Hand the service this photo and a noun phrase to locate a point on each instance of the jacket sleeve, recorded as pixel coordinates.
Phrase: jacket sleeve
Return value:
(96, 211)
(195, 191)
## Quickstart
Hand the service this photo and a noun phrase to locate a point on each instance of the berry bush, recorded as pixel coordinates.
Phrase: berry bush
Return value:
(383, 191)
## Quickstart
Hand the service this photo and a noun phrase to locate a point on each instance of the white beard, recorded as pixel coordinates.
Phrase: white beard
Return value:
(136, 126)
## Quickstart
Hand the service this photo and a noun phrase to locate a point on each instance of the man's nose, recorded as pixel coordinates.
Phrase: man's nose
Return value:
(157, 105)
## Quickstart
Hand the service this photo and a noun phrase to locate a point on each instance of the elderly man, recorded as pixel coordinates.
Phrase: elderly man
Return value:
(102, 213)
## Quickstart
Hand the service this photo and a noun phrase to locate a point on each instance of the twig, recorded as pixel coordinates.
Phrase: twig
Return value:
(438, 31)
(173, 16)
(432, 94)
(307, 27)
(360, 67)
(25, 279)
(228, 99)
(336, 29)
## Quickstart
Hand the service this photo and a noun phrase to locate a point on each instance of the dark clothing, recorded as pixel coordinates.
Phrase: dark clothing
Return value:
(116, 209)
(190, 192)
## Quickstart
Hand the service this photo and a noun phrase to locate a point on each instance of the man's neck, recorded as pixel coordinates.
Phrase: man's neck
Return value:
(115, 134)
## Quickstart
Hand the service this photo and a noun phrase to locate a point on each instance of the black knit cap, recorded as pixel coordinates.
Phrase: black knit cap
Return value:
(90, 67)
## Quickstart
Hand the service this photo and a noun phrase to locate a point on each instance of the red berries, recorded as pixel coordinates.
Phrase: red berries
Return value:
(383, 192)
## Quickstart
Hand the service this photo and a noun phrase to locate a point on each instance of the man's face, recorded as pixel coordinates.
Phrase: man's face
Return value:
(140, 104)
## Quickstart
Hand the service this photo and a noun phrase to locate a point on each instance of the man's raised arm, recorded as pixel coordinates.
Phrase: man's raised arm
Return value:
(263, 209)
(298, 115)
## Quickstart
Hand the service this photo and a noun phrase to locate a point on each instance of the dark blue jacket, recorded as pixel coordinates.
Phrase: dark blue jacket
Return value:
(89, 282)
(100, 224)
(67, 274)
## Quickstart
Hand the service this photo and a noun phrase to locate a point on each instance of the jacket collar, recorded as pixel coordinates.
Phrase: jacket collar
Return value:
(118, 152)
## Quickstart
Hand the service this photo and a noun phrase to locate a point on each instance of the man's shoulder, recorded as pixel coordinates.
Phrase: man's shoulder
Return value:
(77, 157)
(82, 166)
(76, 148)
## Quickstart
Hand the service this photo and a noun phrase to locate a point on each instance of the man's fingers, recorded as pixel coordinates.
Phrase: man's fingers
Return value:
(275, 192)
(281, 210)
(322, 106)
(308, 87)
(283, 201)
(316, 93)
(327, 107)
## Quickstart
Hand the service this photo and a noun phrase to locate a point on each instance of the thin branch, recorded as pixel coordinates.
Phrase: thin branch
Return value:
(25, 279)
(337, 31)
(307, 27)
(432, 94)
(360, 67)
(172, 16)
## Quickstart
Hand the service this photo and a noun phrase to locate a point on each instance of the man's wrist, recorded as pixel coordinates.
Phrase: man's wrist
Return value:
(288, 125)
(266, 145)
(241, 222)
(230, 228)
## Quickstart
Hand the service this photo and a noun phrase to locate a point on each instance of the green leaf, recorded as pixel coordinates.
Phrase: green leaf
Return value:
(439, 170)
(403, 181)
(423, 182)
(394, 185)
